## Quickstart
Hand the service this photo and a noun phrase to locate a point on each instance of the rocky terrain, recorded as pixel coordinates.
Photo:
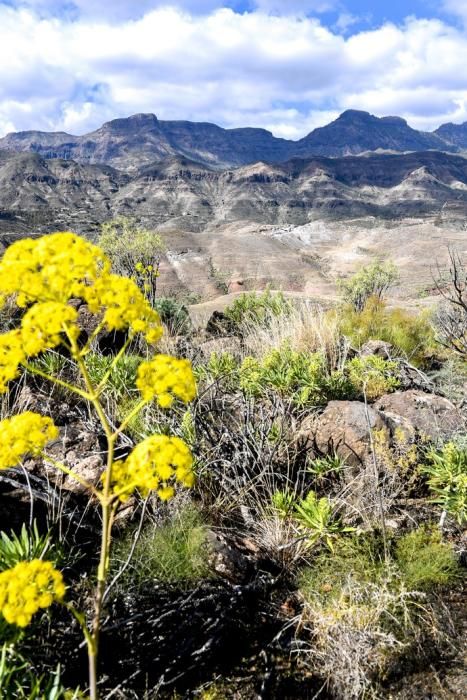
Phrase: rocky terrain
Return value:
(129, 143)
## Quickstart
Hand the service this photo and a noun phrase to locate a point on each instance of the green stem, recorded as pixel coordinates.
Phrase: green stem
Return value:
(114, 363)
(108, 510)
(131, 415)
(56, 380)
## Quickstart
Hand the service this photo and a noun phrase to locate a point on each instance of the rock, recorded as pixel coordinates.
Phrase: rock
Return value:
(377, 347)
(227, 561)
(344, 429)
(428, 415)
(219, 324)
(89, 469)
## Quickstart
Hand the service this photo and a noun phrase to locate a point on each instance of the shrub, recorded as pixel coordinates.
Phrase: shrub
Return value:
(176, 552)
(451, 315)
(121, 377)
(257, 309)
(362, 611)
(300, 377)
(29, 544)
(324, 468)
(220, 366)
(446, 470)
(135, 252)
(410, 335)
(174, 315)
(19, 681)
(304, 379)
(372, 376)
(283, 503)
(424, 560)
(371, 281)
(318, 519)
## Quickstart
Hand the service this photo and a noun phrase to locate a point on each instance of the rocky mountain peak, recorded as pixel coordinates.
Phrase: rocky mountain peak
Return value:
(130, 124)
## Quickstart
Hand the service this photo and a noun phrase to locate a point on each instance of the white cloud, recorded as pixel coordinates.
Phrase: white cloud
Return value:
(286, 74)
(457, 8)
(295, 6)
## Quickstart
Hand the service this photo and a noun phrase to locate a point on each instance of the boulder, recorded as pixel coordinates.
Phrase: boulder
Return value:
(377, 347)
(429, 415)
(344, 429)
(220, 324)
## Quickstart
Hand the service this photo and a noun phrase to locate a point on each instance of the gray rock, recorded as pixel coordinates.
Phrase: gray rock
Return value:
(428, 414)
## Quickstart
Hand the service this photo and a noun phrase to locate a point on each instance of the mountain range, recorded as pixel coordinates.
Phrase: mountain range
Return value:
(180, 194)
(239, 208)
(141, 139)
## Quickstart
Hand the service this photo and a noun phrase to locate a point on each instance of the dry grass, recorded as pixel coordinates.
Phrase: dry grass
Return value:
(307, 327)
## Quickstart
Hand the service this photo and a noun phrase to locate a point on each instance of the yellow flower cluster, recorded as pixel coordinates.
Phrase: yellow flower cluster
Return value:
(11, 356)
(28, 587)
(26, 433)
(156, 463)
(46, 273)
(42, 325)
(166, 378)
(123, 305)
(55, 267)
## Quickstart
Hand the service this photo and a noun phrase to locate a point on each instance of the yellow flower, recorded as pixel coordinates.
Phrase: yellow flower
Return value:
(28, 587)
(166, 378)
(11, 356)
(55, 267)
(43, 323)
(26, 433)
(156, 463)
(123, 305)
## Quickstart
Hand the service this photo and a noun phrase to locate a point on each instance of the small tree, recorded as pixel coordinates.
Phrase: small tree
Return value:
(371, 281)
(134, 251)
(451, 315)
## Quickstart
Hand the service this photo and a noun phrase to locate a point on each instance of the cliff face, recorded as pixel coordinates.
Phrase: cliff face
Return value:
(182, 194)
(142, 139)
(455, 134)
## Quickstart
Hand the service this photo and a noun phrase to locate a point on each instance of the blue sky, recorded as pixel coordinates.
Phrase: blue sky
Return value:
(285, 66)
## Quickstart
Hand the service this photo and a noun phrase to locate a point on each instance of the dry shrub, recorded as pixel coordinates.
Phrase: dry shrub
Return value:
(306, 328)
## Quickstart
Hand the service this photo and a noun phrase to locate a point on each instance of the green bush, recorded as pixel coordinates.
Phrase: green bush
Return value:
(318, 519)
(371, 281)
(174, 315)
(134, 251)
(446, 470)
(257, 309)
(122, 377)
(324, 468)
(18, 681)
(304, 378)
(29, 544)
(220, 366)
(425, 561)
(372, 376)
(418, 561)
(356, 557)
(300, 377)
(176, 552)
(362, 610)
(410, 335)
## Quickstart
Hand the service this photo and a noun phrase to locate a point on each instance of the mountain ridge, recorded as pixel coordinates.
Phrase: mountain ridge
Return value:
(181, 194)
(128, 143)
